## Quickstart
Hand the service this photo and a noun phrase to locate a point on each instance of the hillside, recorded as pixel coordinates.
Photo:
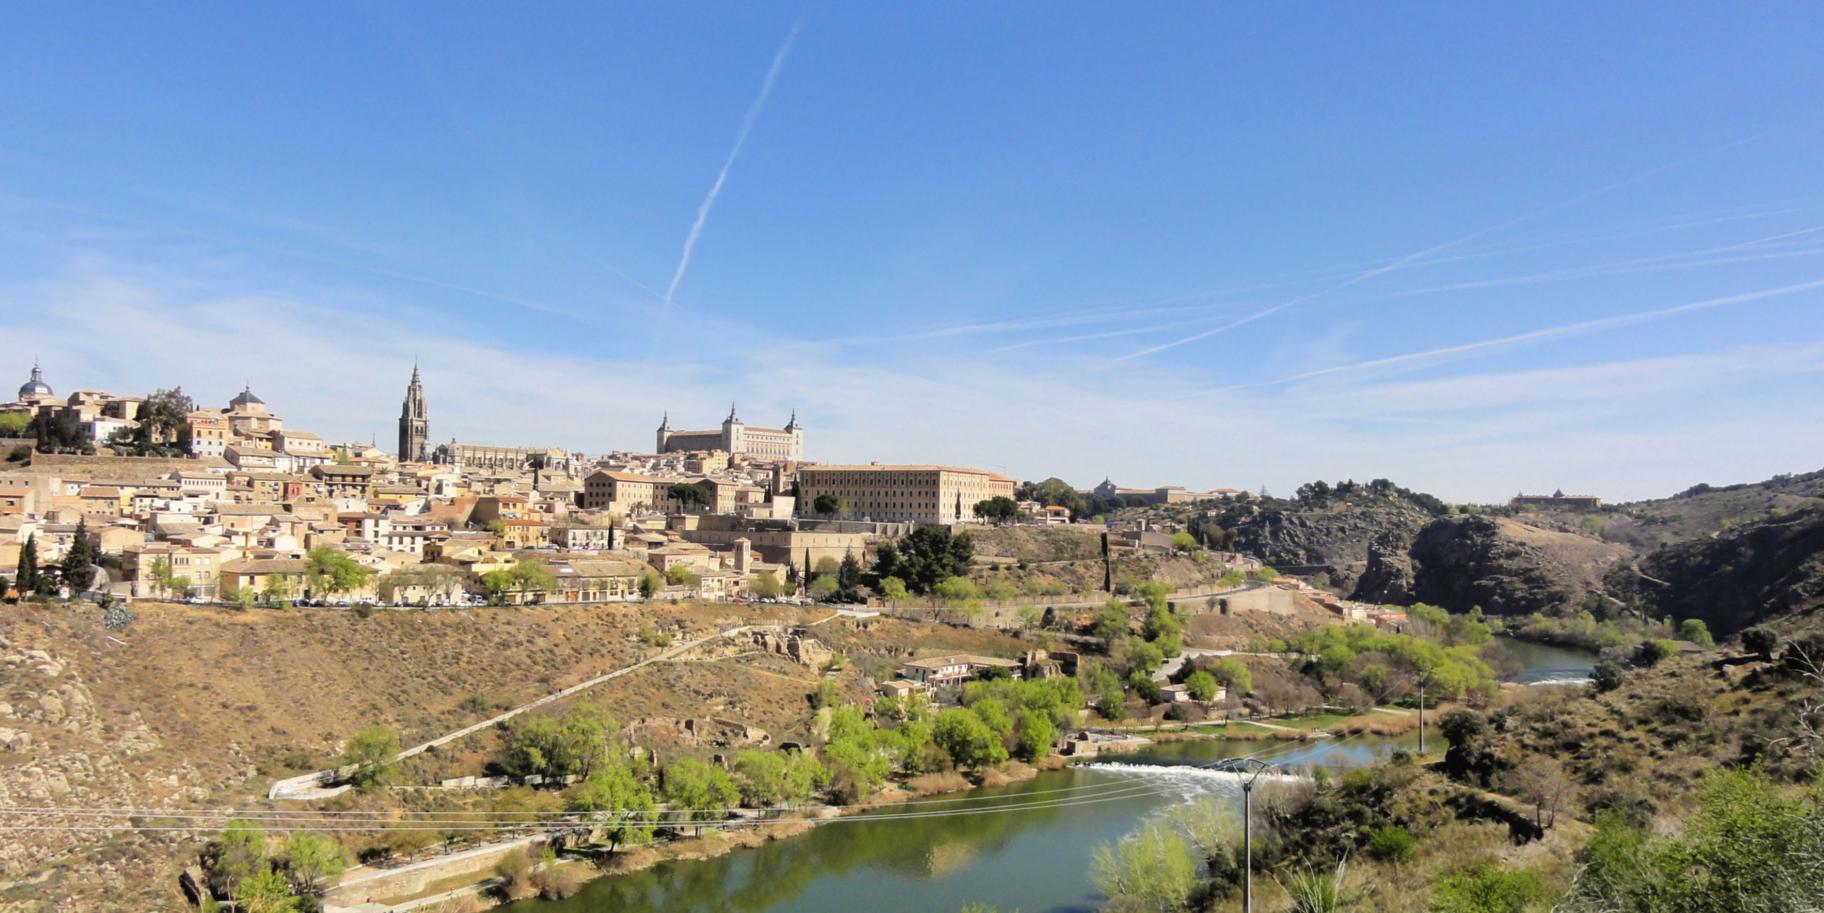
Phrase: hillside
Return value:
(1502, 565)
(1742, 576)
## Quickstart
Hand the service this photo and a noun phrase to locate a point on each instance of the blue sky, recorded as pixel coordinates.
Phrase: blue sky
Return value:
(1473, 249)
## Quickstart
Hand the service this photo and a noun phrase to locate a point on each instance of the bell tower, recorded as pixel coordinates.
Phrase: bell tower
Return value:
(414, 423)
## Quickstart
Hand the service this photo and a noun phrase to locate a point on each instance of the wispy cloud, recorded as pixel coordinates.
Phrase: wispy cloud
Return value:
(1569, 329)
(715, 190)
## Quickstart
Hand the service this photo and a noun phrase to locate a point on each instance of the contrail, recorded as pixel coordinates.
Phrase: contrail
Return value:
(715, 190)
(1568, 329)
(1403, 262)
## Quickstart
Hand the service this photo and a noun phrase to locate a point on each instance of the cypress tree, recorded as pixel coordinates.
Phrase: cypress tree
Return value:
(27, 578)
(79, 561)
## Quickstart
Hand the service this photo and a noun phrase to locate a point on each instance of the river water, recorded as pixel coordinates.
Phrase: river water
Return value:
(1026, 846)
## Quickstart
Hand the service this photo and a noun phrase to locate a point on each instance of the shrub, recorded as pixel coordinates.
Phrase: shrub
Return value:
(1606, 676)
(1652, 652)
(1392, 844)
(1695, 631)
(1485, 888)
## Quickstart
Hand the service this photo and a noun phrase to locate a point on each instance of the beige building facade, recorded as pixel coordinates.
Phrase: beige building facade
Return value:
(916, 494)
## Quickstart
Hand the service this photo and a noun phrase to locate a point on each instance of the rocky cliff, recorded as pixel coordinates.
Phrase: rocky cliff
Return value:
(1335, 535)
(1504, 566)
(1742, 576)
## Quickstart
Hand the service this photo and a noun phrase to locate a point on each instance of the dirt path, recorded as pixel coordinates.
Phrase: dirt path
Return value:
(310, 786)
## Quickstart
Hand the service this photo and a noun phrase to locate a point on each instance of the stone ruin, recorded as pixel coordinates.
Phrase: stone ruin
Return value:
(794, 645)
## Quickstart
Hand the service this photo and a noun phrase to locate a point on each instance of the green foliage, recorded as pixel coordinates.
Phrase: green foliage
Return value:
(265, 891)
(1112, 623)
(1144, 657)
(824, 587)
(1487, 888)
(829, 505)
(699, 788)
(330, 571)
(1054, 492)
(313, 861)
(235, 855)
(1316, 892)
(1435, 623)
(1233, 674)
(1606, 676)
(620, 801)
(1346, 651)
(967, 739)
(1102, 682)
(372, 753)
(79, 560)
(682, 575)
(1152, 870)
(893, 589)
(931, 554)
(764, 585)
(1231, 578)
(1392, 844)
(1201, 685)
(1695, 631)
(14, 424)
(1750, 846)
(957, 589)
(1652, 652)
(1762, 641)
(570, 745)
(650, 584)
(1184, 542)
(769, 778)
(998, 509)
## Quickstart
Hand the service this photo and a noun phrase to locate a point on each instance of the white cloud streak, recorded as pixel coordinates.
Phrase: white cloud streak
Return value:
(715, 190)
(1569, 329)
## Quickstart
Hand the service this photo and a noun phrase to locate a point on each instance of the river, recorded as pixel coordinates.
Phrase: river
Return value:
(1026, 846)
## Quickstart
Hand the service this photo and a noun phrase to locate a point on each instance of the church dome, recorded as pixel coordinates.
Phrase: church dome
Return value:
(36, 386)
(246, 399)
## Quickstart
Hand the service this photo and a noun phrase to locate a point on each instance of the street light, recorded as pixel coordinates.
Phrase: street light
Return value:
(1250, 769)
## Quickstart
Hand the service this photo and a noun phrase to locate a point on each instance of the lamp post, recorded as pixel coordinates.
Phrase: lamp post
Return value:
(1250, 769)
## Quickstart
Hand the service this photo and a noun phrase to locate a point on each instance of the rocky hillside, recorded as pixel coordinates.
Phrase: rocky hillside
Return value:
(1333, 534)
(1502, 565)
(1742, 576)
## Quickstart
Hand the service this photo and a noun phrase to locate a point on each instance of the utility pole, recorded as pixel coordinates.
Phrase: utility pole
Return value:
(1421, 720)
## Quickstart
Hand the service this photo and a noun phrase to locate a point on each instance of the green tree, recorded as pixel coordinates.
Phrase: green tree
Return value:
(1233, 674)
(999, 509)
(620, 801)
(26, 579)
(329, 571)
(957, 589)
(14, 424)
(690, 494)
(769, 778)
(702, 789)
(931, 554)
(276, 589)
(314, 862)
(372, 753)
(266, 891)
(1184, 542)
(764, 585)
(650, 584)
(1202, 686)
(163, 416)
(1762, 641)
(682, 575)
(1652, 652)
(79, 561)
(829, 505)
(893, 589)
(233, 856)
(241, 597)
(968, 740)
(824, 587)
(1112, 623)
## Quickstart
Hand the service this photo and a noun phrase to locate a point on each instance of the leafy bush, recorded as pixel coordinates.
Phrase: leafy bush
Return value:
(1392, 844)
(1486, 888)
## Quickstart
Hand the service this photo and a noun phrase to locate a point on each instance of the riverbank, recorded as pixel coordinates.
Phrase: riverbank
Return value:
(721, 838)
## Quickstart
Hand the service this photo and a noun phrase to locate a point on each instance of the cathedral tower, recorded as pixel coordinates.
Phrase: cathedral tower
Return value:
(414, 423)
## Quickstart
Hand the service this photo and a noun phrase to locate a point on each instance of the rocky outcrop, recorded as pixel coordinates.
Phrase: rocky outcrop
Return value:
(1741, 577)
(1334, 536)
(1503, 566)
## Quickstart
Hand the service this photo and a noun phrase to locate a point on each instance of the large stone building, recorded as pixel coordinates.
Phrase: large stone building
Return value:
(917, 494)
(484, 458)
(414, 423)
(736, 436)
